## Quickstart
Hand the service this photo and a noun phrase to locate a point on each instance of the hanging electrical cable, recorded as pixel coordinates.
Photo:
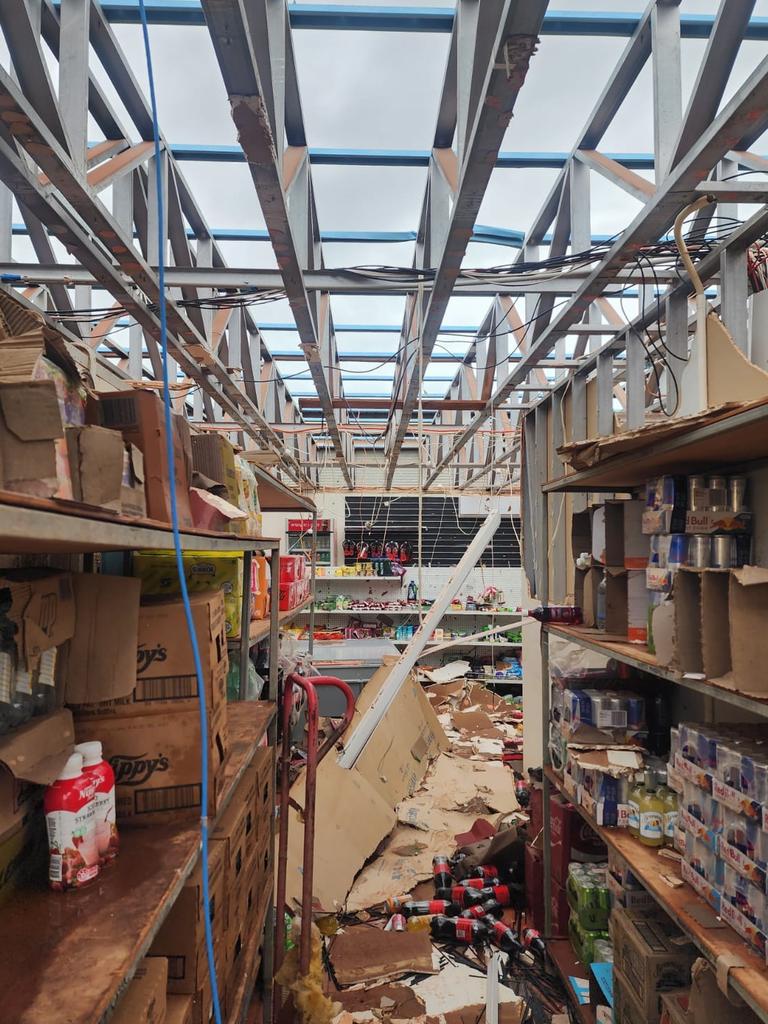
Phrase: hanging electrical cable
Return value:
(171, 455)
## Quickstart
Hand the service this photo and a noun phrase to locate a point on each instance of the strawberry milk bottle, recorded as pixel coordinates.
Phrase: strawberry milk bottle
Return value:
(96, 768)
(71, 824)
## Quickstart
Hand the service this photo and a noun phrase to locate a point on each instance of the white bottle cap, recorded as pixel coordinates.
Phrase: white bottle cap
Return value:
(73, 767)
(91, 752)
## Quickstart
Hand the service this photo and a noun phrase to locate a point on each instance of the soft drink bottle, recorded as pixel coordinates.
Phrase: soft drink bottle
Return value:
(532, 940)
(416, 908)
(500, 893)
(95, 767)
(503, 937)
(458, 929)
(566, 615)
(441, 870)
(465, 897)
(483, 871)
(491, 908)
(479, 883)
(522, 790)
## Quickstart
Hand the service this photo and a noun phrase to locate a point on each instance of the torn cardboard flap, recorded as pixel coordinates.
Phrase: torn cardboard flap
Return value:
(447, 673)
(613, 761)
(750, 575)
(43, 609)
(37, 751)
(367, 954)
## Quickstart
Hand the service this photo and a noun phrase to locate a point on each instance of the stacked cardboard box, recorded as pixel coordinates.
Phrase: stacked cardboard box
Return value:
(294, 581)
(144, 1001)
(152, 736)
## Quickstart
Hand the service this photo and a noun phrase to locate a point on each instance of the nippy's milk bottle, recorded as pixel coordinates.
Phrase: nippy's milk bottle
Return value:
(71, 823)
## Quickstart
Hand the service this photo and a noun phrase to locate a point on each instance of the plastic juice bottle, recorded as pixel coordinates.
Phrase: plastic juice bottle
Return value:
(71, 824)
(96, 768)
(651, 813)
(633, 800)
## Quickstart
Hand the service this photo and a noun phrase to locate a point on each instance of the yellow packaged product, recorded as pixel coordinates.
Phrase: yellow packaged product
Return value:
(204, 570)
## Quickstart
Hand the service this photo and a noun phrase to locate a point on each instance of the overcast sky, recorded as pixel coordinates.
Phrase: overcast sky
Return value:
(381, 91)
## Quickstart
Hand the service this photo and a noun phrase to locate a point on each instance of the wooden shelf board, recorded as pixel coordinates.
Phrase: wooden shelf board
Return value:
(682, 903)
(259, 628)
(408, 611)
(639, 657)
(358, 579)
(735, 438)
(68, 956)
(44, 526)
(562, 956)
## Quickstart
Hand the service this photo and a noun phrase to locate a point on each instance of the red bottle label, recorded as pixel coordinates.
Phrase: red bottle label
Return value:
(465, 929)
(502, 894)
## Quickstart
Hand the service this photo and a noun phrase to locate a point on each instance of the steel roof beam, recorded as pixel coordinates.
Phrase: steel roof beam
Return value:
(742, 120)
(494, 44)
(248, 62)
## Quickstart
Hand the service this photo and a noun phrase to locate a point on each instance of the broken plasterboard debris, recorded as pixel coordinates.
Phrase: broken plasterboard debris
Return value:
(447, 673)
(400, 999)
(456, 987)
(362, 953)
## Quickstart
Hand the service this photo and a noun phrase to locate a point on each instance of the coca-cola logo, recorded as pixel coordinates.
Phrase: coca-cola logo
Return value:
(146, 656)
(135, 771)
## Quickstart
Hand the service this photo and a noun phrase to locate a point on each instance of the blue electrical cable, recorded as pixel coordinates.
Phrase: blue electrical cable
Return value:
(176, 532)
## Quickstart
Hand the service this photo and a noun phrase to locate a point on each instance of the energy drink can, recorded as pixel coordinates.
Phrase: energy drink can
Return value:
(718, 493)
(737, 490)
(723, 552)
(700, 551)
(678, 550)
(697, 493)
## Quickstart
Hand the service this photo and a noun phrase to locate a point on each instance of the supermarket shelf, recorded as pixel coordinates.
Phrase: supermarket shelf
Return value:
(99, 936)
(251, 963)
(736, 438)
(567, 966)
(259, 628)
(639, 657)
(456, 641)
(357, 579)
(683, 905)
(409, 611)
(43, 526)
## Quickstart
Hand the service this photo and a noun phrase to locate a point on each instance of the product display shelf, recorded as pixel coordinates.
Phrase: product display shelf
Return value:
(456, 642)
(567, 966)
(358, 579)
(638, 656)
(713, 938)
(77, 951)
(259, 628)
(405, 611)
(731, 439)
(43, 526)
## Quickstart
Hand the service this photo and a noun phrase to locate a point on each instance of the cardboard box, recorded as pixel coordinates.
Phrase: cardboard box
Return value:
(139, 415)
(214, 457)
(163, 665)
(718, 522)
(42, 609)
(96, 465)
(534, 886)
(715, 613)
(178, 1009)
(181, 938)
(651, 954)
(143, 1002)
(210, 512)
(586, 582)
(156, 760)
(707, 1002)
(32, 756)
(30, 425)
(637, 607)
(748, 602)
(674, 1007)
(635, 541)
(204, 571)
(608, 533)
(100, 660)
(234, 835)
(626, 1008)
(687, 601)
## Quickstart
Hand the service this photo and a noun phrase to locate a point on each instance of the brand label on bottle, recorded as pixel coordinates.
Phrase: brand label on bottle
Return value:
(651, 825)
(670, 824)
(74, 854)
(464, 928)
(106, 824)
(633, 815)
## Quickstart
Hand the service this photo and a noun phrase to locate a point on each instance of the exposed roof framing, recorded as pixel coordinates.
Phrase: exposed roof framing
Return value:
(255, 53)
(491, 47)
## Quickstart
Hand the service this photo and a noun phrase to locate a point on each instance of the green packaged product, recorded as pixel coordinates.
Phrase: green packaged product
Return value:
(588, 895)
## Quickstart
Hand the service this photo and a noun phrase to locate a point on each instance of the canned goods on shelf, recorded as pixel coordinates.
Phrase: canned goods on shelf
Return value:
(699, 550)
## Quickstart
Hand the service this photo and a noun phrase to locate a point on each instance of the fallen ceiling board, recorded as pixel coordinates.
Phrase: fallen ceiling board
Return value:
(402, 1000)
(362, 953)
(458, 986)
(351, 821)
(454, 783)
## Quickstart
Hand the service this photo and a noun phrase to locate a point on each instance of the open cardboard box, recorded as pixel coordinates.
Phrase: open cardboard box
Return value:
(34, 754)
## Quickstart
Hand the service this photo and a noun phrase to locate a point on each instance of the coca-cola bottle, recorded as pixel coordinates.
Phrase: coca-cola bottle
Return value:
(458, 929)
(493, 892)
(415, 908)
(483, 871)
(479, 883)
(441, 870)
(503, 937)
(564, 614)
(491, 908)
(532, 940)
(464, 897)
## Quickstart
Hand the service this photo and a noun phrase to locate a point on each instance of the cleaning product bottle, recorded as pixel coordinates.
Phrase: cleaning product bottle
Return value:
(71, 824)
(96, 768)
(633, 800)
(651, 813)
(413, 591)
